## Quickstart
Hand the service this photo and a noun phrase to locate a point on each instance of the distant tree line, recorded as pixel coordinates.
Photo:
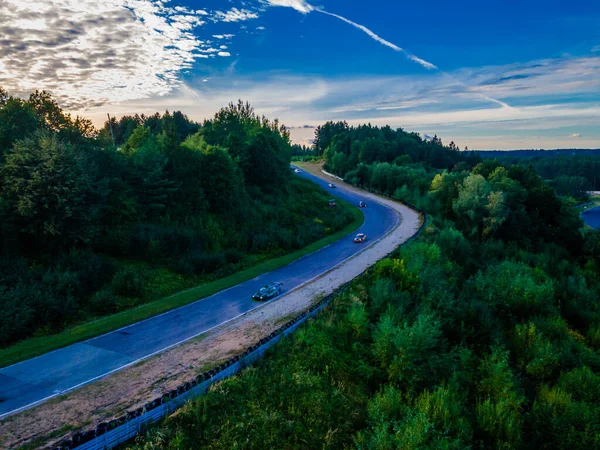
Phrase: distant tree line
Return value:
(572, 172)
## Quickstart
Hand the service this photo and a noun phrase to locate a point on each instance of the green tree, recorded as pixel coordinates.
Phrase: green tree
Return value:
(515, 290)
(444, 189)
(3, 97)
(150, 180)
(499, 405)
(470, 205)
(53, 189)
(17, 121)
(48, 111)
(480, 211)
(221, 181)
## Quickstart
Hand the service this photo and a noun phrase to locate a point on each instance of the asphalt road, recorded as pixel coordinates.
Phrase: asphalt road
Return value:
(592, 217)
(31, 382)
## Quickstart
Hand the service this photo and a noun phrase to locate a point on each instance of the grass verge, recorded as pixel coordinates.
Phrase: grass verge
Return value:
(36, 346)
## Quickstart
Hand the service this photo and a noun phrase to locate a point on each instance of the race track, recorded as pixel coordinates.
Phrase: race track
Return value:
(31, 382)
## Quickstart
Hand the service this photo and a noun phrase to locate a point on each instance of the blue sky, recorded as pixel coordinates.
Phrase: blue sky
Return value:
(508, 74)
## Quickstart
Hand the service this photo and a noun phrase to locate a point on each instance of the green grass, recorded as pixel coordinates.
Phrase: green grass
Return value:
(36, 346)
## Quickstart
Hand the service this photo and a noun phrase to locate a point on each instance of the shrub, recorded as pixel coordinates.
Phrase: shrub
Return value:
(233, 256)
(17, 316)
(103, 302)
(93, 270)
(129, 282)
(207, 263)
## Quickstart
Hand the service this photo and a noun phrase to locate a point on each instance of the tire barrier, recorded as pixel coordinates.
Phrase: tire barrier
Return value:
(107, 435)
(117, 431)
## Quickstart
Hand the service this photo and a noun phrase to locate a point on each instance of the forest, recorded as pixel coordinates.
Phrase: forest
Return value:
(93, 222)
(484, 333)
(571, 172)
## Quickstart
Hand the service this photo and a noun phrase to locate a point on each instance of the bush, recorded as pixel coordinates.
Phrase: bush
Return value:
(233, 256)
(103, 302)
(129, 282)
(93, 270)
(17, 316)
(198, 263)
(515, 290)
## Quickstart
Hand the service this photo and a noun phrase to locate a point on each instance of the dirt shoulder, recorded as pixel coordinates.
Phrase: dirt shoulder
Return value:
(131, 388)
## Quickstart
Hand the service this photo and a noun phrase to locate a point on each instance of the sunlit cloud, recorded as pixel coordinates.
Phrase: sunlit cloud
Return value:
(299, 5)
(235, 15)
(432, 104)
(132, 56)
(89, 53)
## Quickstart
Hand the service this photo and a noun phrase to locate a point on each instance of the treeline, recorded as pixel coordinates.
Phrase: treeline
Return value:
(482, 334)
(88, 228)
(570, 175)
(518, 154)
(571, 172)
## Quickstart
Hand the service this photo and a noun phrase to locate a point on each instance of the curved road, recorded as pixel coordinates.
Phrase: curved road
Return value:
(31, 382)
(592, 217)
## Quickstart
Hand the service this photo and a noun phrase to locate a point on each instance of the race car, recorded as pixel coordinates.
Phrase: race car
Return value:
(267, 292)
(362, 204)
(331, 185)
(297, 171)
(360, 238)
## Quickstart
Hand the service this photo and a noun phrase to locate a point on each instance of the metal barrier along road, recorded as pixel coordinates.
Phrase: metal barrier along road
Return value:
(116, 432)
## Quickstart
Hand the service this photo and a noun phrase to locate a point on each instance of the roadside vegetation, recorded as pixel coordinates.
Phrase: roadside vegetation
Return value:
(99, 222)
(482, 334)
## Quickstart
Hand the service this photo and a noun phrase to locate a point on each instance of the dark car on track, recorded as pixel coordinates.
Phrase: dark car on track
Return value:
(267, 292)
(331, 185)
(360, 238)
(362, 204)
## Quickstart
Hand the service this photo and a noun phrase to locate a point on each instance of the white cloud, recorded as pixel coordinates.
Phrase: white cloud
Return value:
(260, 28)
(223, 36)
(235, 15)
(299, 5)
(224, 54)
(546, 78)
(596, 49)
(432, 104)
(88, 53)
(575, 135)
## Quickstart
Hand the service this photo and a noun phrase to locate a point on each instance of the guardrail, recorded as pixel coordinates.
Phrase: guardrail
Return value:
(108, 435)
(332, 175)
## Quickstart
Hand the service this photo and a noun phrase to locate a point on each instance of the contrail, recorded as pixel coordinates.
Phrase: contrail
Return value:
(379, 39)
(304, 7)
